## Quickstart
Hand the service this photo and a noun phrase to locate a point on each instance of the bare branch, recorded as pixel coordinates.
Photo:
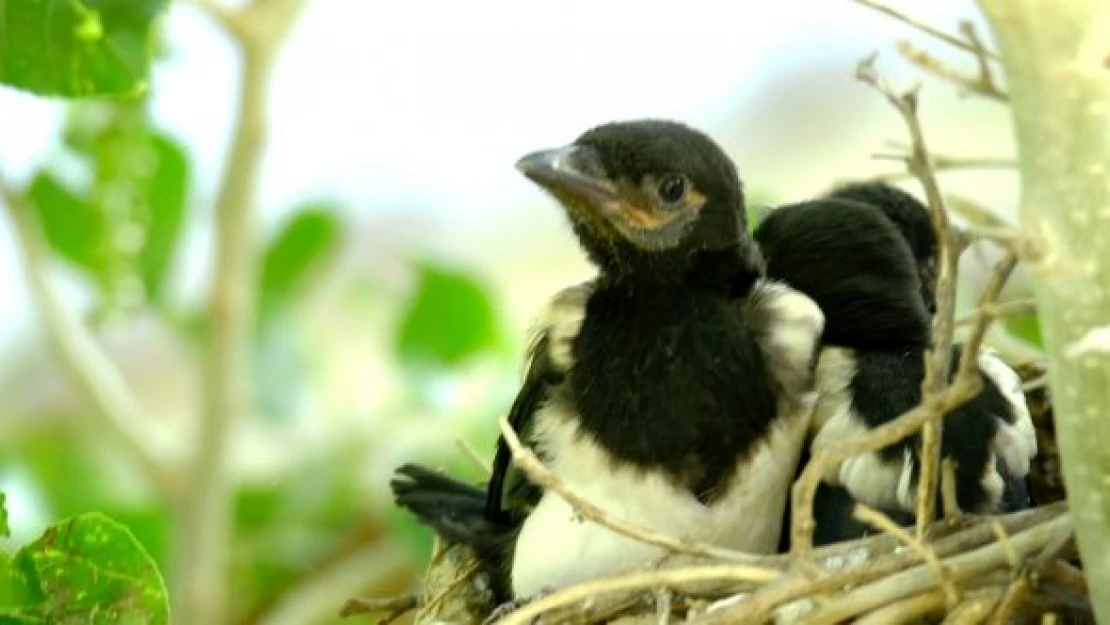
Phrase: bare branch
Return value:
(948, 490)
(394, 607)
(540, 474)
(975, 609)
(475, 458)
(92, 372)
(1015, 594)
(1002, 309)
(982, 85)
(883, 523)
(927, 29)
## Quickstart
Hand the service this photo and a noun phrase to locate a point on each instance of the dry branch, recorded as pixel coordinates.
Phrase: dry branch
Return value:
(927, 29)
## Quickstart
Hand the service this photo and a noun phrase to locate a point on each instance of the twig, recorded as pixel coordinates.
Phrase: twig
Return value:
(87, 366)
(530, 464)
(939, 355)
(948, 490)
(472, 454)
(1007, 546)
(975, 609)
(394, 607)
(1002, 309)
(982, 85)
(925, 28)
(1015, 594)
(761, 603)
(204, 525)
(982, 55)
(639, 581)
(944, 163)
(974, 213)
(908, 610)
(882, 522)
(662, 606)
(964, 566)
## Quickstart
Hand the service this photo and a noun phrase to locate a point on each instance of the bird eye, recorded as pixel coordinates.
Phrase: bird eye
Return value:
(672, 189)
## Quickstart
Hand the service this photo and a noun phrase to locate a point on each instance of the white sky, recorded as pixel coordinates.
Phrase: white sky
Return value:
(422, 107)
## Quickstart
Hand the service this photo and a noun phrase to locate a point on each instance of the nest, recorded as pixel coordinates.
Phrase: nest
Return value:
(1015, 568)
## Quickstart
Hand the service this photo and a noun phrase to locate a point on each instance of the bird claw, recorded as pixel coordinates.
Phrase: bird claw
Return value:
(508, 607)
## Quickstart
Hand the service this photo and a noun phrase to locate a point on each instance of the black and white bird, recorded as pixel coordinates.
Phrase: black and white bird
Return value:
(866, 253)
(672, 390)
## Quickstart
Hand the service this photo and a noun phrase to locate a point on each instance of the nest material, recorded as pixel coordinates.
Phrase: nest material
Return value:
(454, 591)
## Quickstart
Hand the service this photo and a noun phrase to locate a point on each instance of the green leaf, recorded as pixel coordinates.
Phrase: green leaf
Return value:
(1026, 327)
(77, 48)
(89, 569)
(166, 193)
(5, 529)
(71, 225)
(449, 319)
(296, 253)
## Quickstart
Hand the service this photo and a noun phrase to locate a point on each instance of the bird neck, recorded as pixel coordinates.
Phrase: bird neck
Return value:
(731, 272)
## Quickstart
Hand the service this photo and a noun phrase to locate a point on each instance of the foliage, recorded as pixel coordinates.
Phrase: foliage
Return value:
(75, 48)
(449, 319)
(85, 569)
(119, 231)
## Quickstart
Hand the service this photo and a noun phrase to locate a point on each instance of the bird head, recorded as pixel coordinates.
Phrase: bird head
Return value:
(913, 222)
(649, 198)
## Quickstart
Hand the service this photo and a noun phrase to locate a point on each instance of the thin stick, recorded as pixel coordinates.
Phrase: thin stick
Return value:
(472, 454)
(1015, 594)
(91, 371)
(1004, 540)
(530, 464)
(982, 85)
(641, 581)
(939, 355)
(964, 566)
(880, 521)
(948, 490)
(975, 609)
(925, 28)
(1001, 309)
(907, 610)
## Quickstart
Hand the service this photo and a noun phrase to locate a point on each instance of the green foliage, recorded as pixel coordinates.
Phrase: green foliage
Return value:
(86, 569)
(5, 529)
(450, 318)
(1027, 327)
(296, 254)
(75, 48)
(123, 230)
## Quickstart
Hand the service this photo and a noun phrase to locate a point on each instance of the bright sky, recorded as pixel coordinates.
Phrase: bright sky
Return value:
(422, 107)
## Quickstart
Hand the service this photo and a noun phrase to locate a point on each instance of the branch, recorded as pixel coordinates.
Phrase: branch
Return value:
(983, 84)
(883, 523)
(93, 373)
(929, 30)
(540, 474)
(920, 164)
(394, 607)
(964, 566)
(204, 524)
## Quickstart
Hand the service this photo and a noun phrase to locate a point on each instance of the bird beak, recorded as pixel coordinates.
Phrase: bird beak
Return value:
(566, 172)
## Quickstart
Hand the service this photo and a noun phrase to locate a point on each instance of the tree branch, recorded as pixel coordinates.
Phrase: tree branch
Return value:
(87, 366)
(927, 29)
(204, 521)
(983, 84)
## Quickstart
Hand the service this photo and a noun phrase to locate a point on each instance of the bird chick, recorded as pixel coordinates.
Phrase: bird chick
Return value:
(866, 253)
(671, 390)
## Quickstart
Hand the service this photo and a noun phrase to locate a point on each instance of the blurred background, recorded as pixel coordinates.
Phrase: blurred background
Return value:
(403, 257)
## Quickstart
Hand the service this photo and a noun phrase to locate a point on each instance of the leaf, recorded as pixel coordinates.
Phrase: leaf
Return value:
(296, 253)
(72, 226)
(166, 194)
(5, 529)
(449, 319)
(89, 569)
(1027, 327)
(77, 48)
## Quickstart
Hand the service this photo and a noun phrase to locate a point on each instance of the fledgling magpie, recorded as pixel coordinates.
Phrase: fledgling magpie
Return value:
(874, 282)
(672, 390)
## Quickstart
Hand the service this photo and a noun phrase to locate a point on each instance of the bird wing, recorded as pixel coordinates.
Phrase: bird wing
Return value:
(548, 359)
